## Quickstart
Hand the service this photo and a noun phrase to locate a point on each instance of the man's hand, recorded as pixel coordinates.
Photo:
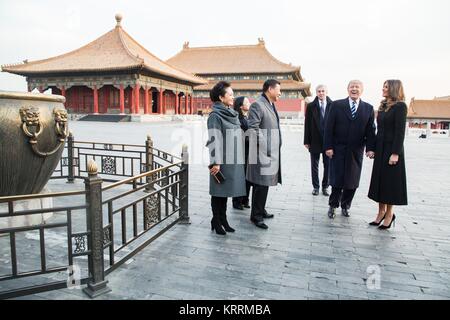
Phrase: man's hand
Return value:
(329, 153)
(214, 169)
(370, 154)
(307, 146)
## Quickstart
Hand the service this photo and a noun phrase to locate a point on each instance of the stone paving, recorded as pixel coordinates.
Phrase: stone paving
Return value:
(303, 254)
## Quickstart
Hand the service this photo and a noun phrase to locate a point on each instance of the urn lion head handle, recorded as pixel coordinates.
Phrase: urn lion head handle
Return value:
(32, 127)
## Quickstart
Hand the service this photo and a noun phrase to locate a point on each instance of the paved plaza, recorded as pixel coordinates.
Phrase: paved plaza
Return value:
(303, 254)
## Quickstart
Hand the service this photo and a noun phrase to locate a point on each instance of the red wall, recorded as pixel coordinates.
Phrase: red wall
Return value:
(283, 105)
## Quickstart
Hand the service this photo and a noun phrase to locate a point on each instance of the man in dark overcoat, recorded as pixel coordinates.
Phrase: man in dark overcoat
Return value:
(349, 128)
(315, 117)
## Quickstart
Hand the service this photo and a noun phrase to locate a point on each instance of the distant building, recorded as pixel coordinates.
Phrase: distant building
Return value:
(429, 114)
(112, 74)
(246, 68)
(442, 98)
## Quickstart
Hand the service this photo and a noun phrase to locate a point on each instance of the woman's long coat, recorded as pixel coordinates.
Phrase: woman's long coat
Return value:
(388, 182)
(226, 148)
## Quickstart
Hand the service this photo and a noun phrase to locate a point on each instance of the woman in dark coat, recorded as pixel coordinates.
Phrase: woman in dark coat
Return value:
(388, 182)
(226, 157)
(242, 105)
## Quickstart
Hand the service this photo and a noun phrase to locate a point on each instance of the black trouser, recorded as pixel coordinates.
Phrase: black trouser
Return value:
(315, 157)
(237, 201)
(259, 198)
(342, 196)
(218, 205)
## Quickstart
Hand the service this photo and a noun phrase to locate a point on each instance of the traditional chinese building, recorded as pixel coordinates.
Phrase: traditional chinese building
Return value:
(112, 74)
(429, 114)
(246, 68)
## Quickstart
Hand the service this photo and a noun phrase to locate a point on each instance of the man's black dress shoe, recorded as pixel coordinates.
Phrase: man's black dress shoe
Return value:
(315, 192)
(259, 223)
(267, 215)
(345, 212)
(331, 213)
(325, 192)
(245, 205)
(238, 207)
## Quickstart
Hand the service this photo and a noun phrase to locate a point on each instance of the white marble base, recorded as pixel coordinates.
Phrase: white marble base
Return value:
(27, 220)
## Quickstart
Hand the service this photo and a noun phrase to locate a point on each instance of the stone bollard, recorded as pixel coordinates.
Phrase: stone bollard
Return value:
(148, 162)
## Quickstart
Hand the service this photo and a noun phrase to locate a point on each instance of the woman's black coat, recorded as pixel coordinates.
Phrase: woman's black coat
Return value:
(388, 182)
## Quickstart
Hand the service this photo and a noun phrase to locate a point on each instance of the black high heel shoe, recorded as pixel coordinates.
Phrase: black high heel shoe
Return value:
(374, 223)
(215, 225)
(383, 227)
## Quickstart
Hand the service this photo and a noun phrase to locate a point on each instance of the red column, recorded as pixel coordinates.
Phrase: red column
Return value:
(161, 102)
(177, 103)
(186, 103)
(76, 98)
(63, 93)
(133, 100)
(146, 101)
(191, 110)
(122, 99)
(95, 100)
(165, 104)
(150, 100)
(105, 99)
(137, 89)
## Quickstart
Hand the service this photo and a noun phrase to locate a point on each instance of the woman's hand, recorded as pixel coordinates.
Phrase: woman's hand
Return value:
(393, 159)
(214, 169)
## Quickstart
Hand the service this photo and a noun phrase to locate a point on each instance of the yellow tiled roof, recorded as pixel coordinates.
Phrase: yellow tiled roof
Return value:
(431, 109)
(230, 60)
(115, 50)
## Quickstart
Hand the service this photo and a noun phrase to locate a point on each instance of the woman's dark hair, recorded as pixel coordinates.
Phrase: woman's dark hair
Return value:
(270, 83)
(219, 90)
(396, 93)
(238, 102)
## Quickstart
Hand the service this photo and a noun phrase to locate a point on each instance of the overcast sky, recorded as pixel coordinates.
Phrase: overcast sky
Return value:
(332, 41)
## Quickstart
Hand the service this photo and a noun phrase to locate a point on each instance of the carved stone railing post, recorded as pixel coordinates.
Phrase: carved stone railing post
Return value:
(148, 161)
(70, 154)
(97, 284)
(184, 187)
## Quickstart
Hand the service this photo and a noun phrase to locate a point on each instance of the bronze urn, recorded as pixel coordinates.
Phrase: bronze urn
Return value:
(33, 129)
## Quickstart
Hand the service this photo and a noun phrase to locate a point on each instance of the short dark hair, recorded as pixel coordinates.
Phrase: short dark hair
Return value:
(270, 83)
(219, 90)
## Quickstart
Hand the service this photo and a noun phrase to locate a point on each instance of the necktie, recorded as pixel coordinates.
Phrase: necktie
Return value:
(322, 110)
(353, 109)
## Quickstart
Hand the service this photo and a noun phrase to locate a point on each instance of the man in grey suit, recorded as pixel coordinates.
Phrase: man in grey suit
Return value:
(264, 163)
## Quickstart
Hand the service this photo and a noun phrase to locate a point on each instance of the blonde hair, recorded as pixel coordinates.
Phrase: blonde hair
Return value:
(355, 81)
(395, 94)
